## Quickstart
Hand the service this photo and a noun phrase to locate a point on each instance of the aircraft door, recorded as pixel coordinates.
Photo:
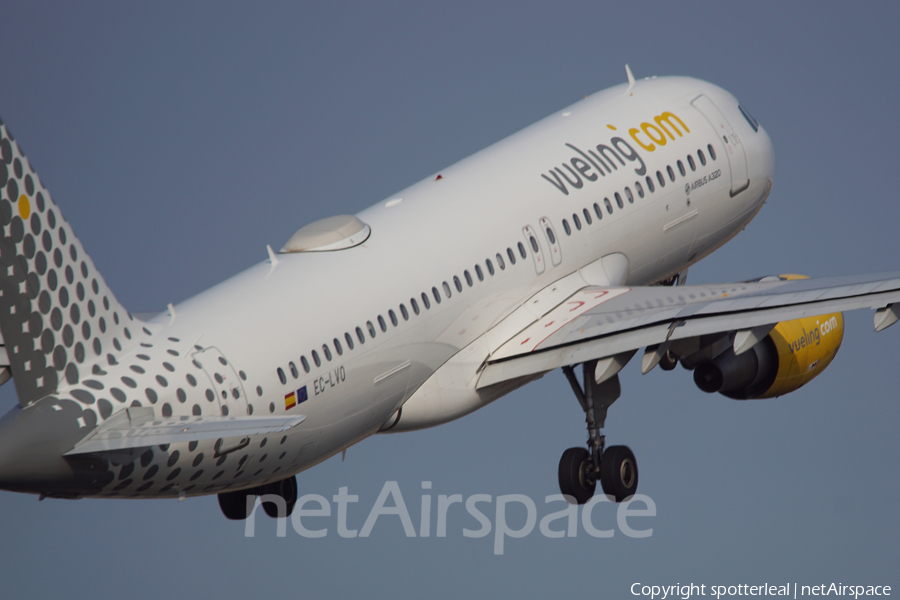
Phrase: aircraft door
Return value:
(552, 241)
(225, 381)
(734, 150)
(537, 253)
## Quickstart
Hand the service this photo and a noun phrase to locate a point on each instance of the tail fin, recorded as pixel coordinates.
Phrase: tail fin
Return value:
(57, 315)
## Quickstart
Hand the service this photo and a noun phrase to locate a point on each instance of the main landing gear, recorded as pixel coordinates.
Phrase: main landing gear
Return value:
(234, 505)
(579, 468)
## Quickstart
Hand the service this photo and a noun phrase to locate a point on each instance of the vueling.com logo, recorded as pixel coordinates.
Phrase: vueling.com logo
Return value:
(659, 134)
(604, 158)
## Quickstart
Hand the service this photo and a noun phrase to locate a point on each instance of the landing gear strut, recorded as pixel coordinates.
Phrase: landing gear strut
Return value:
(234, 505)
(579, 468)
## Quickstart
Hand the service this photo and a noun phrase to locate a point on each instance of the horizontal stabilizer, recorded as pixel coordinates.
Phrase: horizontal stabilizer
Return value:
(138, 428)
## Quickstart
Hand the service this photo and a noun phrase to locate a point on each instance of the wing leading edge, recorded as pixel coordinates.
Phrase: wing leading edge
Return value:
(597, 322)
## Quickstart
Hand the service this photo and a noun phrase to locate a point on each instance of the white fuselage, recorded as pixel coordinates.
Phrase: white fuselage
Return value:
(425, 238)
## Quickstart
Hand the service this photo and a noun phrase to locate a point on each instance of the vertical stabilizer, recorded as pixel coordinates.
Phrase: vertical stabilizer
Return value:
(57, 316)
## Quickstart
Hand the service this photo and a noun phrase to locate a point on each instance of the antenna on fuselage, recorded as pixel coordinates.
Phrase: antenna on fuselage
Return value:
(630, 80)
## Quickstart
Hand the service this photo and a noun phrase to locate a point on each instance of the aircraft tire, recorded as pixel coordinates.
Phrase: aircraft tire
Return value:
(234, 504)
(287, 489)
(618, 472)
(574, 475)
(668, 362)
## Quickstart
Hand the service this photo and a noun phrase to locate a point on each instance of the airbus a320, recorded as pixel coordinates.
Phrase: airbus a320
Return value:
(565, 245)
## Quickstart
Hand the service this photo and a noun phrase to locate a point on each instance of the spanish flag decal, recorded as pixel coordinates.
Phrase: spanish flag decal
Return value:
(294, 398)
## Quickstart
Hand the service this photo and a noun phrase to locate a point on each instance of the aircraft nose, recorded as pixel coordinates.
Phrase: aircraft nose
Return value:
(32, 443)
(765, 155)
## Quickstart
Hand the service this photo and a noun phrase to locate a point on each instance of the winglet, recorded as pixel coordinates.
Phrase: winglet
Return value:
(630, 80)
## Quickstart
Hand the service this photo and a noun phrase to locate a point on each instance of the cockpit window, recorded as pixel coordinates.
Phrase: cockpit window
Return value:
(749, 117)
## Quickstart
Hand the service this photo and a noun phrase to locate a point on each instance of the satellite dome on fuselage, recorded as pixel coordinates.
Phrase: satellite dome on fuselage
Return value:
(332, 233)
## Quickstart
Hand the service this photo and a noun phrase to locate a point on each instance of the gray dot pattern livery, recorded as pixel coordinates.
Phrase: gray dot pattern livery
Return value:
(57, 315)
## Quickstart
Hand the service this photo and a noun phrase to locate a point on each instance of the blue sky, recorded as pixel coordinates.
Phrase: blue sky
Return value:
(180, 139)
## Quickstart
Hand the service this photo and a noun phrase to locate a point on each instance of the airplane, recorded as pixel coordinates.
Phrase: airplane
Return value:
(565, 245)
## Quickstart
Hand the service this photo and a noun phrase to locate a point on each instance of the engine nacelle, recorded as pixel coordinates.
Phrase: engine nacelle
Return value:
(791, 355)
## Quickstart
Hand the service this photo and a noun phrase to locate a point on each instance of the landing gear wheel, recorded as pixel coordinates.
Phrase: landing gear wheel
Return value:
(576, 478)
(287, 489)
(668, 361)
(618, 472)
(234, 504)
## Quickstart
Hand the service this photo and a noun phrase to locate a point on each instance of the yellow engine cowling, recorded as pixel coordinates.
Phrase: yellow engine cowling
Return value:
(805, 347)
(791, 355)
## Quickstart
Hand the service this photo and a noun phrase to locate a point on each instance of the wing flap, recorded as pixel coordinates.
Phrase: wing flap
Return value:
(631, 318)
(138, 428)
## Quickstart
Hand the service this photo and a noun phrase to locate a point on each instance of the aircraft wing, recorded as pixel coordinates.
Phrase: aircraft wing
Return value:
(599, 322)
(138, 428)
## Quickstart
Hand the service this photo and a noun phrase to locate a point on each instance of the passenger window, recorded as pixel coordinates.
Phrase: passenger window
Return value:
(468, 277)
(629, 195)
(512, 257)
(566, 227)
(639, 188)
(649, 184)
(371, 329)
(281, 376)
(681, 168)
(393, 317)
(479, 273)
(457, 283)
(360, 336)
(660, 179)
(337, 346)
(316, 358)
(608, 205)
(691, 163)
(712, 153)
(534, 244)
(701, 157)
(414, 304)
(404, 313)
(671, 173)
(446, 290)
(326, 351)
(349, 339)
(577, 222)
(490, 266)
(500, 262)
(522, 250)
(425, 300)
(304, 363)
(381, 323)
(619, 202)
(597, 211)
(437, 294)
(587, 216)
(294, 372)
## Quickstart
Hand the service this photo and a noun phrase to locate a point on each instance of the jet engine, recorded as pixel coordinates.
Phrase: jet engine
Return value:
(791, 355)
